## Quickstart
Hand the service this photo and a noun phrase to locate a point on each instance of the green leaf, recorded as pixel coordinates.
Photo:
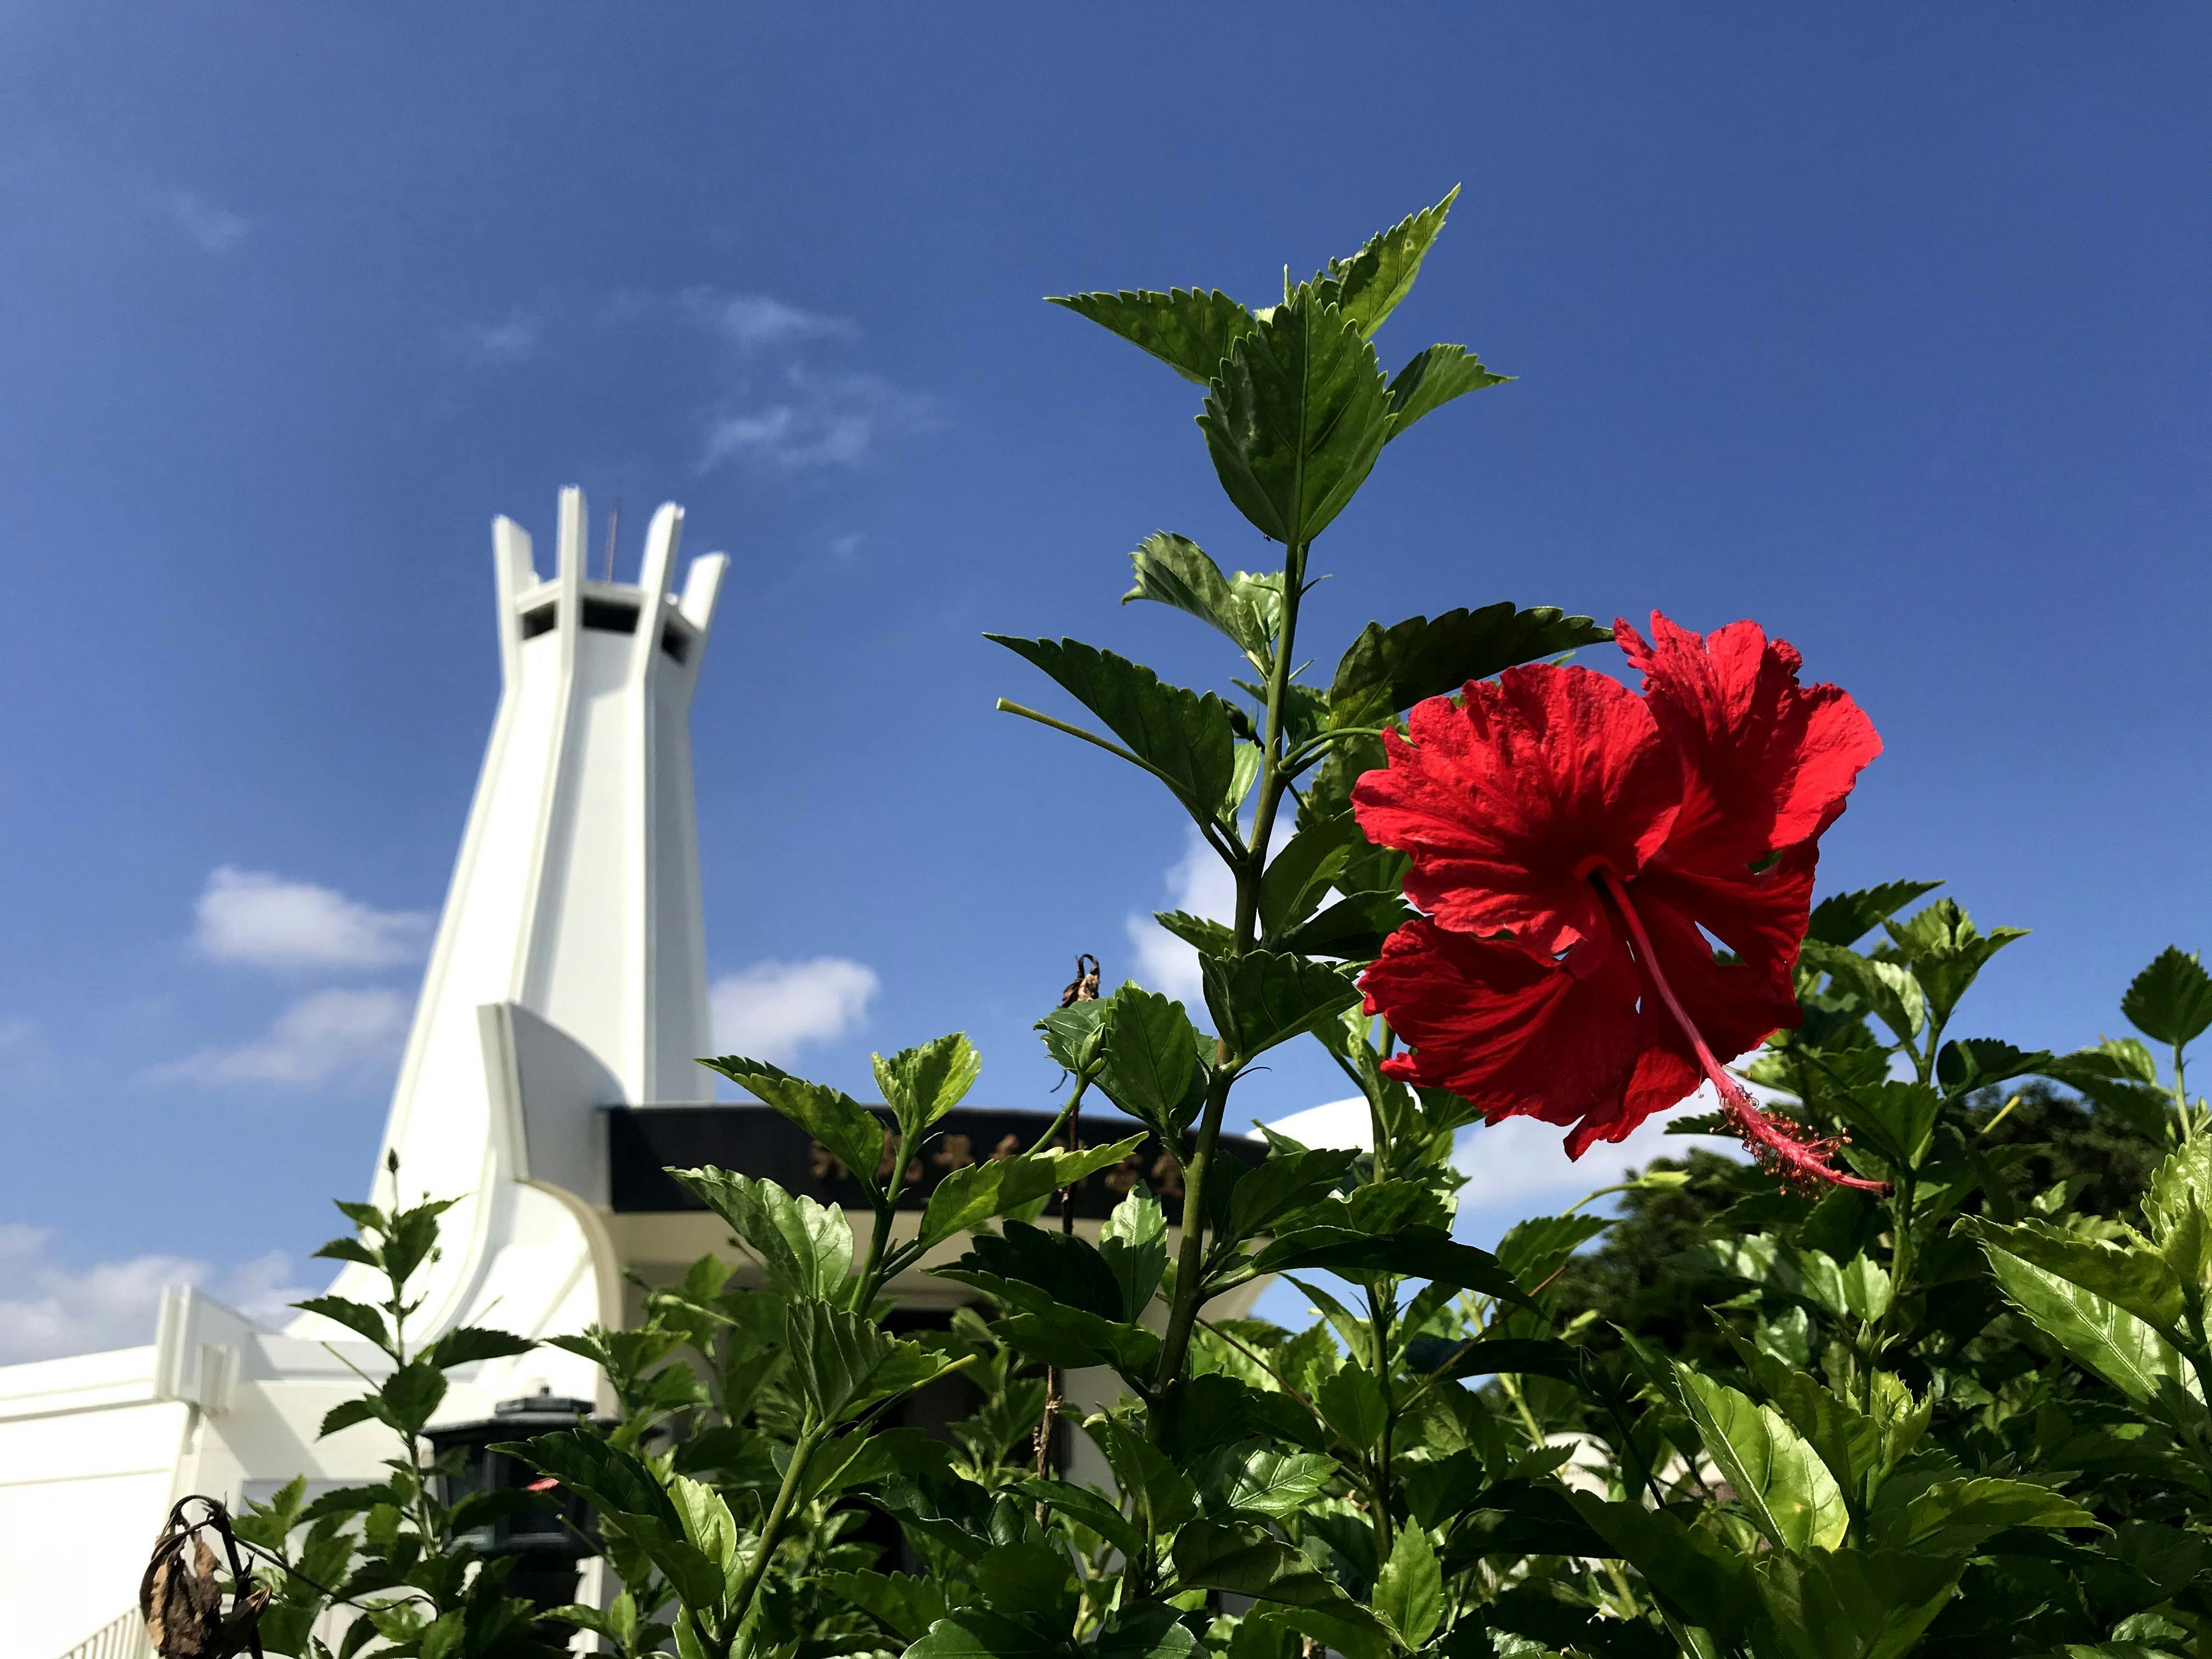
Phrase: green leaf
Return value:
(357, 1316)
(1843, 919)
(1368, 286)
(1297, 879)
(411, 1395)
(806, 1248)
(903, 1603)
(2139, 1280)
(1409, 1595)
(1185, 738)
(1972, 1063)
(1388, 670)
(1350, 1402)
(1173, 570)
(1295, 417)
(1779, 1479)
(1154, 1071)
(1416, 1253)
(1890, 990)
(346, 1413)
(1264, 998)
(1163, 1493)
(1352, 928)
(1283, 1184)
(1279, 1484)
(1204, 935)
(1436, 376)
(1134, 1245)
(1955, 1517)
(834, 1355)
(2097, 1332)
(1896, 1118)
(1510, 1356)
(1190, 330)
(631, 1503)
(2171, 1000)
(1248, 1560)
(968, 1197)
(854, 1134)
(1536, 1249)
(1145, 1629)
(1080, 1504)
(973, 1633)
(922, 1085)
(465, 1343)
(1946, 951)
(1853, 1604)
(1697, 1577)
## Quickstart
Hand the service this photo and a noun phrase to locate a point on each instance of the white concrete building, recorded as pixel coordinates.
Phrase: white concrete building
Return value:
(548, 1076)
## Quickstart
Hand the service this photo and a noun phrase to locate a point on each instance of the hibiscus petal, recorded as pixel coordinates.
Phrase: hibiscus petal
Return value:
(1768, 762)
(1735, 1006)
(1512, 1031)
(1508, 800)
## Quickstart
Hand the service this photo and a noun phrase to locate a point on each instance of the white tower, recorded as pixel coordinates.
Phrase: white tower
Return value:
(569, 969)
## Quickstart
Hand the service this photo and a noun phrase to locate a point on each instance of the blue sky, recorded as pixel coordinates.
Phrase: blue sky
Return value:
(1883, 325)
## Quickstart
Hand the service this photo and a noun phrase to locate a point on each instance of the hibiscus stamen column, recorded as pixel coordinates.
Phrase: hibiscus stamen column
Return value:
(1771, 1137)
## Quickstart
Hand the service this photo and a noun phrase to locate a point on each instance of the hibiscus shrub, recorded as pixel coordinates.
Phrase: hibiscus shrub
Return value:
(1930, 1410)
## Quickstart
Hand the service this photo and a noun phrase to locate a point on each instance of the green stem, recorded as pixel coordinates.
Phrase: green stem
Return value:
(1247, 869)
(1200, 811)
(1066, 1112)
(787, 1495)
(871, 1267)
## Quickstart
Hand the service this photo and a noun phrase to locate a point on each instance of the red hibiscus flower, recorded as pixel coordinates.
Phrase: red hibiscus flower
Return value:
(1576, 848)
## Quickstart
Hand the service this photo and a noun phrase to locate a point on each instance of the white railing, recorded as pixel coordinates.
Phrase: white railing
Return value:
(121, 1637)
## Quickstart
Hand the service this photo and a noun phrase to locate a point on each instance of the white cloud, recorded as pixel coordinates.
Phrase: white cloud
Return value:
(214, 226)
(815, 420)
(48, 1310)
(749, 321)
(773, 1009)
(252, 916)
(508, 341)
(323, 1035)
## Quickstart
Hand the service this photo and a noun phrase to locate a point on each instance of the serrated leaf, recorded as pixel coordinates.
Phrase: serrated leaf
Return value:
(1843, 919)
(1153, 1069)
(1297, 877)
(631, 1502)
(1248, 1560)
(1133, 1243)
(1853, 1604)
(1089, 1507)
(465, 1343)
(1368, 286)
(1388, 670)
(357, 1317)
(968, 1197)
(852, 1135)
(411, 1395)
(1173, 570)
(345, 1414)
(2136, 1280)
(1781, 1481)
(2171, 1000)
(1185, 738)
(975, 1633)
(922, 1085)
(1409, 1593)
(1435, 377)
(1887, 987)
(1295, 417)
(1416, 1253)
(1278, 1483)
(1206, 937)
(1264, 998)
(1698, 1578)
(1283, 1184)
(1969, 1063)
(905, 1604)
(1351, 929)
(1956, 1516)
(804, 1247)
(1163, 1494)
(1190, 329)
(2097, 1332)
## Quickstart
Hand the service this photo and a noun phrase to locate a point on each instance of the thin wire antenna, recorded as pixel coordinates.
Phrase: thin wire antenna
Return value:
(614, 518)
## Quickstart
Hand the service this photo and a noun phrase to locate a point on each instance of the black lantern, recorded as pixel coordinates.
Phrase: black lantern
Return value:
(551, 1536)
